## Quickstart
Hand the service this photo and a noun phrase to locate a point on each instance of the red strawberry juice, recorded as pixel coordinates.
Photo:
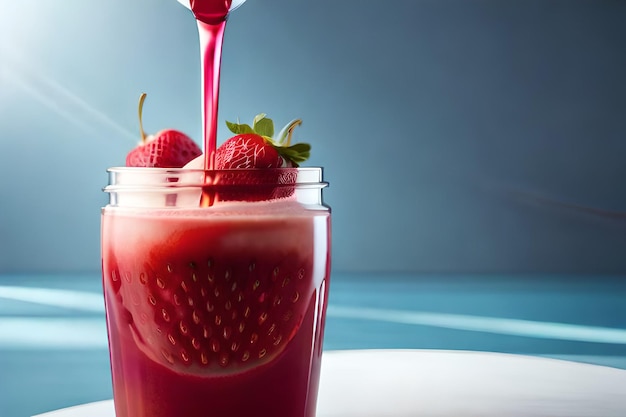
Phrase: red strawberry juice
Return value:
(216, 311)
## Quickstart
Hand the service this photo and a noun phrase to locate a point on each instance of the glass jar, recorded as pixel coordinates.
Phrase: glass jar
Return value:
(215, 286)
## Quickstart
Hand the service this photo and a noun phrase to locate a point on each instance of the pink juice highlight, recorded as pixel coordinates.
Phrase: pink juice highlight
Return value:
(215, 315)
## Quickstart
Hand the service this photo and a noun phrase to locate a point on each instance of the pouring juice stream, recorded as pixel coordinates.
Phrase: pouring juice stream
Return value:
(211, 17)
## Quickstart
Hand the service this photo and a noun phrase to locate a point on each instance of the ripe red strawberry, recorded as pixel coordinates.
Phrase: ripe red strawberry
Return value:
(198, 308)
(249, 150)
(253, 147)
(167, 149)
(267, 160)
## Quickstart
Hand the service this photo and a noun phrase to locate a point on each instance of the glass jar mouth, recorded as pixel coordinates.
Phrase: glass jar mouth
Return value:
(132, 186)
(125, 177)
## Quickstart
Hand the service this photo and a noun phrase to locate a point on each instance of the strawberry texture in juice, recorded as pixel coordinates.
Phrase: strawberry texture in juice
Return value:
(215, 315)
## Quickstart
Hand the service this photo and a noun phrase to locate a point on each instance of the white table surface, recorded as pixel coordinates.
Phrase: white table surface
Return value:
(434, 383)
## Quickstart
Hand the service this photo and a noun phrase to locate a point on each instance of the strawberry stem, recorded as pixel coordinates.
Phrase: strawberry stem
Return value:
(142, 98)
(290, 129)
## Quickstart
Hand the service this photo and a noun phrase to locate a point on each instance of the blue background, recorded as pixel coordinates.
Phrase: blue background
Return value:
(458, 136)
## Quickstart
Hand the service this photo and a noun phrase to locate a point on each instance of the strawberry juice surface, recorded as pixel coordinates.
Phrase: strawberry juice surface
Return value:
(216, 312)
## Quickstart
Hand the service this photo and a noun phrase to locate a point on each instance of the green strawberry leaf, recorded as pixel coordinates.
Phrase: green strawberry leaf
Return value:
(263, 126)
(297, 153)
(239, 129)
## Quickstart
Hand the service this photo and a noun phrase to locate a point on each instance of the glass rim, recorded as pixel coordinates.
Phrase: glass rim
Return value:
(149, 178)
(121, 169)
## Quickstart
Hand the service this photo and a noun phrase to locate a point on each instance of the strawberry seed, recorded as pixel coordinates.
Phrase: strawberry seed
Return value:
(206, 332)
(224, 360)
(183, 328)
(195, 343)
(165, 315)
(227, 332)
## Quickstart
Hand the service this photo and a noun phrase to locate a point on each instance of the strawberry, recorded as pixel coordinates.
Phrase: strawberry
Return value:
(169, 148)
(268, 162)
(253, 147)
(198, 306)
